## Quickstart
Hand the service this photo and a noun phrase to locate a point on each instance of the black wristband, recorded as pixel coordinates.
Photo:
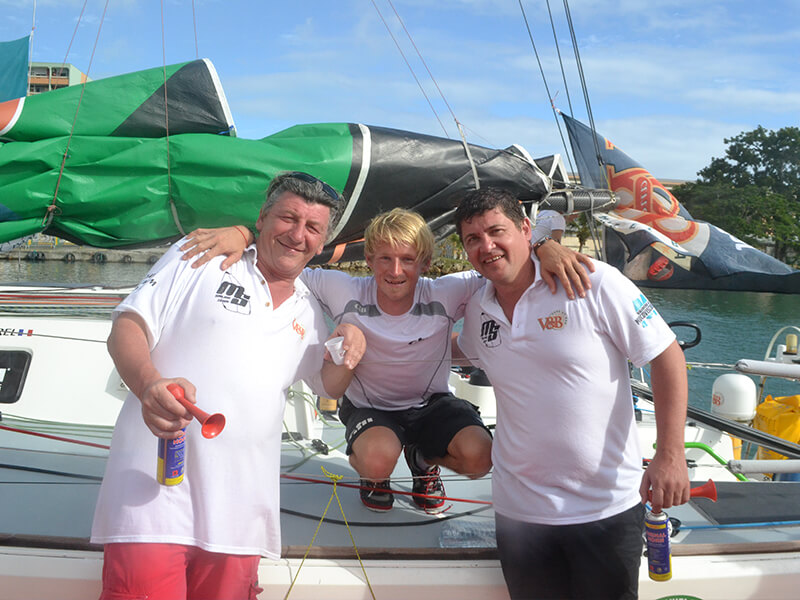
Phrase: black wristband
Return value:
(540, 243)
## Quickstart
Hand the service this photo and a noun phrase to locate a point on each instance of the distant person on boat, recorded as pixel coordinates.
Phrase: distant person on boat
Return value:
(399, 400)
(234, 340)
(552, 224)
(568, 487)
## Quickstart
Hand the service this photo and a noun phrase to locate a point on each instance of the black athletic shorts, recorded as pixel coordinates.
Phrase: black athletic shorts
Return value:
(432, 426)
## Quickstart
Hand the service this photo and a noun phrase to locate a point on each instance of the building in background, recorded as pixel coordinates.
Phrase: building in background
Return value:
(45, 77)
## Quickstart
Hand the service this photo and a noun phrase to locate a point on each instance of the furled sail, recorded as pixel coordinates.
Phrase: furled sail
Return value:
(654, 240)
(125, 182)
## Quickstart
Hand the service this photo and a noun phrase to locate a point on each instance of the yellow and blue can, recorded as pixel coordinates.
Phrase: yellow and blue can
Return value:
(659, 556)
(171, 459)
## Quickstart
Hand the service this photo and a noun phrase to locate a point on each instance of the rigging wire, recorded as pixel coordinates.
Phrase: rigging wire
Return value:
(424, 64)
(194, 24)
(461, 126)
(173, 209)
(410, 68)
(441, 94)
(560, 61)
(546, 87)
(30, 47)
(585, 90)
(50, 211)
(74, 33)
(591, 222)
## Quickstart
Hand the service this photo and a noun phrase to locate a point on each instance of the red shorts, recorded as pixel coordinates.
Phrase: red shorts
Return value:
(176, 572)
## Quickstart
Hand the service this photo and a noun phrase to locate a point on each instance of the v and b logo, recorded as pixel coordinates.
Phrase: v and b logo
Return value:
(490, 333)
(232, 297)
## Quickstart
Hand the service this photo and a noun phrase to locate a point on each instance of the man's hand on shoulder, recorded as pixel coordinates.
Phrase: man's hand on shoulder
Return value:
(569, 267)
(205, 244)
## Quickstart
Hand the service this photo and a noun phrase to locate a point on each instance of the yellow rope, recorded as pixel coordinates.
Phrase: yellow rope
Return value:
(334, 479)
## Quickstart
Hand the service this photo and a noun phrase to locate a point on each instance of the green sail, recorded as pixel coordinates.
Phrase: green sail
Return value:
(117, 192)
(127, 105)
(124, 182)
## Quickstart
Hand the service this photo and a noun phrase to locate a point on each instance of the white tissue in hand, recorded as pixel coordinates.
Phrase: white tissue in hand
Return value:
(334, 346)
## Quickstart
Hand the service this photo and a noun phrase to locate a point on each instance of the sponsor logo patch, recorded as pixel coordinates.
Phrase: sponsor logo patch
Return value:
(644, 310)
(490, 333)
(301, 331)
(230, 294)
(555, 320)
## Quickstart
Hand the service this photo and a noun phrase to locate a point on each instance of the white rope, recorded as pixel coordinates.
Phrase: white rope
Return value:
(469, 156)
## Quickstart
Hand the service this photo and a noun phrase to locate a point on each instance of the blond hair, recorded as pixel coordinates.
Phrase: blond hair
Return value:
(400, 226)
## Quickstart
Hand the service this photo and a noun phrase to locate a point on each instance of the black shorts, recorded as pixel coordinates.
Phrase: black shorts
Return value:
(432, 426)
(598, 560)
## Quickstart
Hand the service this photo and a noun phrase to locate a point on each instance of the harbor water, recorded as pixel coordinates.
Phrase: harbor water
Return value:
(734, 325)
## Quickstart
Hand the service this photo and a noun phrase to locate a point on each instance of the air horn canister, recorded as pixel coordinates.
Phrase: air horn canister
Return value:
(657, 531)
(172, 453)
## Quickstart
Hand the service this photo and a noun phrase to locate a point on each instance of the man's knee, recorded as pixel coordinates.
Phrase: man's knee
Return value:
(472, 449)
(373, 465)
(479, 464)
(375, 454)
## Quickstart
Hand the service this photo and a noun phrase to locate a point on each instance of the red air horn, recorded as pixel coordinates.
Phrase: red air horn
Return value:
(707, 490)
(211, 425)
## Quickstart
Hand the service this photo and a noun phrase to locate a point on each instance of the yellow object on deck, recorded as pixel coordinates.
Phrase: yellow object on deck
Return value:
(780, 417)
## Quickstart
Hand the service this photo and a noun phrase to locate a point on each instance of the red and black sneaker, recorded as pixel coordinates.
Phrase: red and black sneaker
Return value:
(377, 495)
(428, 488)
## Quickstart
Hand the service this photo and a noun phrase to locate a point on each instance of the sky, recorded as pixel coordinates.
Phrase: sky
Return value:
(667, 80)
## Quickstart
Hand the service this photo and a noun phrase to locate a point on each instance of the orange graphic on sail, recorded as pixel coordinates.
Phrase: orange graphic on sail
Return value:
(643, 198)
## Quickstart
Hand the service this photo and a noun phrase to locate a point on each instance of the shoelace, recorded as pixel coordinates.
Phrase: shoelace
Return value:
(433, 482)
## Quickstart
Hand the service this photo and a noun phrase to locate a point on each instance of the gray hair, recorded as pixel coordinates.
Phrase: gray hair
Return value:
(312, 189)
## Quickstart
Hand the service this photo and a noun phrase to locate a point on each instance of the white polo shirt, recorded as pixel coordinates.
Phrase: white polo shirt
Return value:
(546, 222)
(408, 356)
(565, 448)
(219, 330)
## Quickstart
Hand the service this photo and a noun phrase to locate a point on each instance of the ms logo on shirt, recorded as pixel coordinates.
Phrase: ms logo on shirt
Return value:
(230, 294)
(490, 333)
(644, 310)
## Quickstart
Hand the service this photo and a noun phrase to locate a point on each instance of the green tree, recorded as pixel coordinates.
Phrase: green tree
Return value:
(767, 159)
(582, 231)
(754, 192)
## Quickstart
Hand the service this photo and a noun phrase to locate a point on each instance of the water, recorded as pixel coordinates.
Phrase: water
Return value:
(734, 325)
(77, 273)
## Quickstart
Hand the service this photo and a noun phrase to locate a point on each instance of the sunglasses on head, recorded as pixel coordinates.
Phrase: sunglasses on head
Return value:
(334, 195)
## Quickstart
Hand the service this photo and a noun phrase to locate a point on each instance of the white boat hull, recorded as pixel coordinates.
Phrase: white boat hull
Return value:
(49, 487)
(36, 574)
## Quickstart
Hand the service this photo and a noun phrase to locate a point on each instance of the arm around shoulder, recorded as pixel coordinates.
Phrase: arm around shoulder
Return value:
(569, 267)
